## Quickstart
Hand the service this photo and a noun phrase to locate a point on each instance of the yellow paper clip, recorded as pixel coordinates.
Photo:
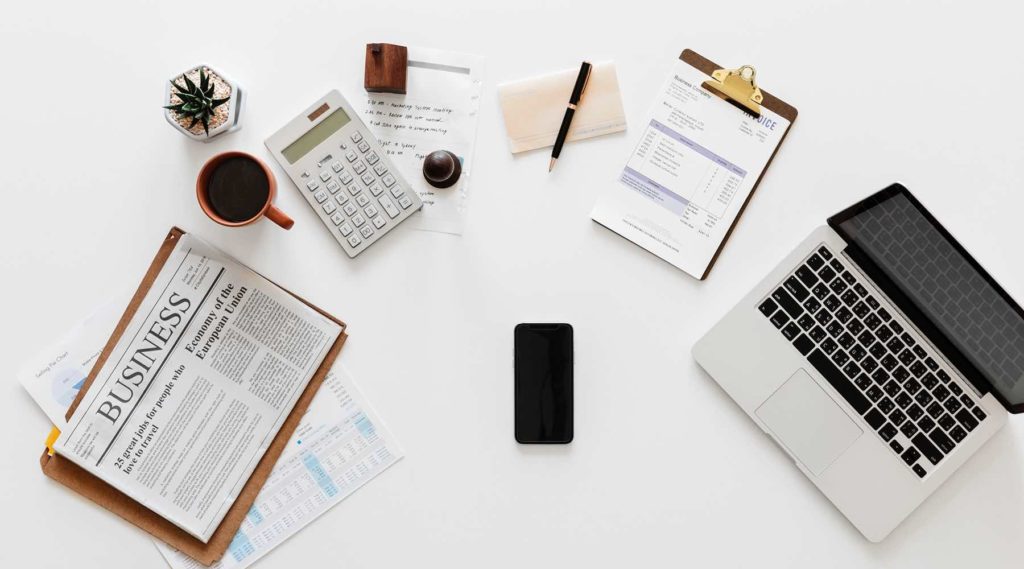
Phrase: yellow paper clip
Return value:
(52, 438)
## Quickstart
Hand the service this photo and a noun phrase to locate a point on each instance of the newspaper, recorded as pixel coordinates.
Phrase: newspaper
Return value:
(197, 387)
(340, 445)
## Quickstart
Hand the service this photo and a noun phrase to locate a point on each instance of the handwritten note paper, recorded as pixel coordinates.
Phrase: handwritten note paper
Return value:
(439, 112)
(409, 117)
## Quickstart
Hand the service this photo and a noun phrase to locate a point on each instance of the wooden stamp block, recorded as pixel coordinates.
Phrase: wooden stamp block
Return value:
(386, 65)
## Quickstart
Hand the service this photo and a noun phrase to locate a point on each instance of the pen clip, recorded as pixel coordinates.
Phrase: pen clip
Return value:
(586, 81)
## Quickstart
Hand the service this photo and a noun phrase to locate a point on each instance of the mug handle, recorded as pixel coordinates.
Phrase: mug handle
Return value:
(279, 217)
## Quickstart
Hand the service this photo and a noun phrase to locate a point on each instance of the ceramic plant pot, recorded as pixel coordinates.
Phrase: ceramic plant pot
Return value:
(225, 118)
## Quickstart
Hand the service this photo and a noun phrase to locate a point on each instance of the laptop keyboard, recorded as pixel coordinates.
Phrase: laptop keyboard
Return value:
(873, 360)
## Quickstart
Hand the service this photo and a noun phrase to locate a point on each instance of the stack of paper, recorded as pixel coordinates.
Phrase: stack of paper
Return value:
(340, 445)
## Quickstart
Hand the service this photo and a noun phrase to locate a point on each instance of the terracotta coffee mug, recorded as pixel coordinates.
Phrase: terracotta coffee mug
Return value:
(243, 179)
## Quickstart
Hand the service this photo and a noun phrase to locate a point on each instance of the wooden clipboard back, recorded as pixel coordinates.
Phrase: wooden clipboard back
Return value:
(772, 103)
(78, 479)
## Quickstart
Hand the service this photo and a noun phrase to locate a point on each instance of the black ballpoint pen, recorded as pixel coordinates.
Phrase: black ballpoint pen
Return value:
(574, 99)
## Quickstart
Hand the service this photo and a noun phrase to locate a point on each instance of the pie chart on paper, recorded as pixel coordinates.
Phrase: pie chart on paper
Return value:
(65, 387)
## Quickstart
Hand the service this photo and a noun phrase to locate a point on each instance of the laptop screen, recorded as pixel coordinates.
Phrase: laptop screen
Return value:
(941, 288)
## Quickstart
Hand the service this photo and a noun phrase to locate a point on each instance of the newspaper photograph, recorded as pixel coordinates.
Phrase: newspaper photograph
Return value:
(197, 387)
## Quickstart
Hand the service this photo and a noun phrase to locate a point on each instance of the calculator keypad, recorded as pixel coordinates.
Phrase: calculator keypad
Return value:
(367, 212)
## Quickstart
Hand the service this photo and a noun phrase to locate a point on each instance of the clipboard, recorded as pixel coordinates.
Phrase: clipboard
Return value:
(652, 203)
(757, 96)
(81, 481)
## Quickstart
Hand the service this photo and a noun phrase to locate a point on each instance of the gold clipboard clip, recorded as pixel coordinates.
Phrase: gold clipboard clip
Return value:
(738, 86)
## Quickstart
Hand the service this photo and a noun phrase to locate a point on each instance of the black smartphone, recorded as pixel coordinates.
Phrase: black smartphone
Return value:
(543, 370)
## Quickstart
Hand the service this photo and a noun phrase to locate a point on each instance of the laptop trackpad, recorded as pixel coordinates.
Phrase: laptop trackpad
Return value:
(808, 422)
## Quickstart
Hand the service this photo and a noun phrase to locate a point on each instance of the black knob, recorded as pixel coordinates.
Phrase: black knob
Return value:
(442, 169)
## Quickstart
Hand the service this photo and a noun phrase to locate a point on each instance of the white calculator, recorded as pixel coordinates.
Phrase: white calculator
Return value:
(344, 174)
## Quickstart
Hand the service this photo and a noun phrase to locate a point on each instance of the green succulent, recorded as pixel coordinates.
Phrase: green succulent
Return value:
(197, 101)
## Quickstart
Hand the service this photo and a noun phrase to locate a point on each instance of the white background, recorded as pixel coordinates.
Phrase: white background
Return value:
(665, 469)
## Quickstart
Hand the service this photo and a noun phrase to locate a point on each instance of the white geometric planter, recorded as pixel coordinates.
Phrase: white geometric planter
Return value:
(232, 120)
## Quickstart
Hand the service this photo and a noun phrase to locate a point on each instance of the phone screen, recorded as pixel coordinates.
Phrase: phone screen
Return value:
(543, 369)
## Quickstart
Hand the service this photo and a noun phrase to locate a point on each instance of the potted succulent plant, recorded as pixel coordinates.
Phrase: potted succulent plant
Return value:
(203, 103)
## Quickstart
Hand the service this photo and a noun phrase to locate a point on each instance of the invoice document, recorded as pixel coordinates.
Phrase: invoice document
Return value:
(695, 163)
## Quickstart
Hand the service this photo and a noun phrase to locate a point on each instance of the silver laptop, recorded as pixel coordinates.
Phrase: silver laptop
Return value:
(879, 355)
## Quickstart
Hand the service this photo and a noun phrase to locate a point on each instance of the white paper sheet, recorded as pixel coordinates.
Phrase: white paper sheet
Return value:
(54, 376)
(340, 445)
(695, 163)
(438, 112)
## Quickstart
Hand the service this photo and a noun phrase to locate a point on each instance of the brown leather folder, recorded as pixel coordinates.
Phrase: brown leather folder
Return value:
(71, 475)
(780, 107)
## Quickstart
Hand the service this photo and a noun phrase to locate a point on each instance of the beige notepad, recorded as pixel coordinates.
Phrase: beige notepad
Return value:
(533, 108)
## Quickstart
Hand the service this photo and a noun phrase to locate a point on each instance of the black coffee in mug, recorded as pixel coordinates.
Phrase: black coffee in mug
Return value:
(238, 189)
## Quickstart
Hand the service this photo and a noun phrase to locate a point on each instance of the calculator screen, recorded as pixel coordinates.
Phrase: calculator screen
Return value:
(319, 133)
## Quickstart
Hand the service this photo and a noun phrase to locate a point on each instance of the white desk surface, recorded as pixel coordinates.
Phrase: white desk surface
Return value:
(665, 469)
